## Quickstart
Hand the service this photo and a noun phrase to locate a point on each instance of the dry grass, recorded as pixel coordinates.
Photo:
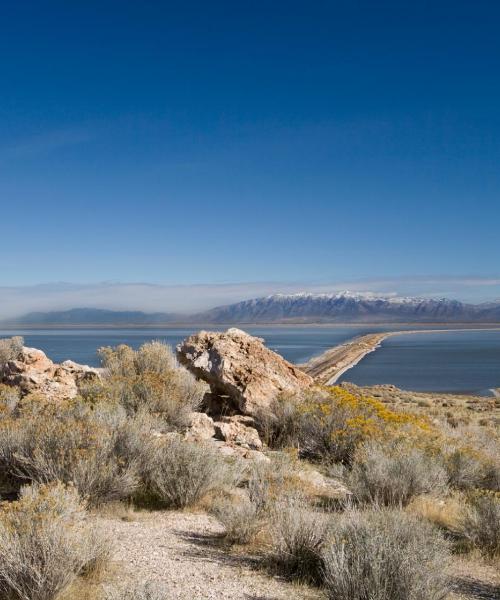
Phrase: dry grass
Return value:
(445, 513)
(470, 467)
(46, 542)
(384, 555)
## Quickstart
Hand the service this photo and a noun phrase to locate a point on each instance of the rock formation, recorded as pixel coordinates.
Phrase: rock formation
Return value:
(238, 430)
(243, 374)
(33, 371)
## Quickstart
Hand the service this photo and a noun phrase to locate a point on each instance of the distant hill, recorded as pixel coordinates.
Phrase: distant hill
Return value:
(350, 307)
(94, 316)
(344, 307)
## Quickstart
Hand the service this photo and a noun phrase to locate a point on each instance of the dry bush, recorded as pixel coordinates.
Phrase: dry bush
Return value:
(149, 379)
(240, 517)
(469, 468)
(66, 442)
(471, 456)
(179, 473)
(45, 543)
(245, 514)
(141, 591)
(393, 473)
(328, 424)
(10, 348)
(384, 555)
(297, 536)
(464, 468)
(480, 523)
(281, 426)
(9, 399)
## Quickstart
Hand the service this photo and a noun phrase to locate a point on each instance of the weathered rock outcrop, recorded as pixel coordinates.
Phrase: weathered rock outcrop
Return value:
(33, 371)
(238, 430)
(239, 367)
(201, 427)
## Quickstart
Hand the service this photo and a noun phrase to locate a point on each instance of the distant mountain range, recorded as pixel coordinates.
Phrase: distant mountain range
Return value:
(344, 307)
(350, 307)
(93, 316)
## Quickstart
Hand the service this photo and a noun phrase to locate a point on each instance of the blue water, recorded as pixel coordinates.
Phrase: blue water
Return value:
(297, 344)
(455, 361)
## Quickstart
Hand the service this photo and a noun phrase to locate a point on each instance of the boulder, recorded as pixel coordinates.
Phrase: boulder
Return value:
(244, 374)
(33, 372)
(318, 485)
(230, 450)
(201, 427)
(238, 430)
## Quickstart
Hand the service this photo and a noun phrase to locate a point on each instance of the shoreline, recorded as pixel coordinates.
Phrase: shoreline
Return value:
(465, 326)
(329, 366)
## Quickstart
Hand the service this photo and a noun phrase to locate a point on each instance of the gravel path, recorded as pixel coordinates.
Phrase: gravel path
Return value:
(180, 551)
(475, 579)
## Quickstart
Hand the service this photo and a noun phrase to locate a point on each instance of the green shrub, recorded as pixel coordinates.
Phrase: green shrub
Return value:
(45, 543)
(384, 555)
(261, 484)
(393, 473)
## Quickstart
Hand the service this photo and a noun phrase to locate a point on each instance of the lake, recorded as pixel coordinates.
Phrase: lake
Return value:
(454, 361)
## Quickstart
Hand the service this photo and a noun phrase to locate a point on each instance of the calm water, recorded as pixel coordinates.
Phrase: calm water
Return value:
(296, 344)
(455, 361)
(445, 361)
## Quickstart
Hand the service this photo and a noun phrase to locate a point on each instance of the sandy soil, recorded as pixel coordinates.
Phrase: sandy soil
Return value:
(181, 551)
(475, 579)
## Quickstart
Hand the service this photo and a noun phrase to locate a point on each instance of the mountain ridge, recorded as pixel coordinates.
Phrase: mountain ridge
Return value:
(303, 307)
(350, 307)
(93, 316)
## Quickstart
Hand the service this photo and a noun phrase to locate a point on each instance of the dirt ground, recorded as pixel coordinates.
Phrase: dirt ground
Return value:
(182, 552)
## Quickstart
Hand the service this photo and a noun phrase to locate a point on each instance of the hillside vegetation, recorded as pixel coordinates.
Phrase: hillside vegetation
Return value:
(418, 490)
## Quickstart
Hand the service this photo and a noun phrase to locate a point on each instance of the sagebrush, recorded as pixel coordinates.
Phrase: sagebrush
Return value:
(384, 555)
(392, 473)
(46, 542)
(10, 348)
(480, 523)
(148, 379)
(297, 536)
(179, 473)
(67, 442)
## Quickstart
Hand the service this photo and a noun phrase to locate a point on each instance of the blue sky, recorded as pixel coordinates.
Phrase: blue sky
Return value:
(217, 142)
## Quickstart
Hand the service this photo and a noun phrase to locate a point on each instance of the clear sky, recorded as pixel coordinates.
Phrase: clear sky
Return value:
(215, 142)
